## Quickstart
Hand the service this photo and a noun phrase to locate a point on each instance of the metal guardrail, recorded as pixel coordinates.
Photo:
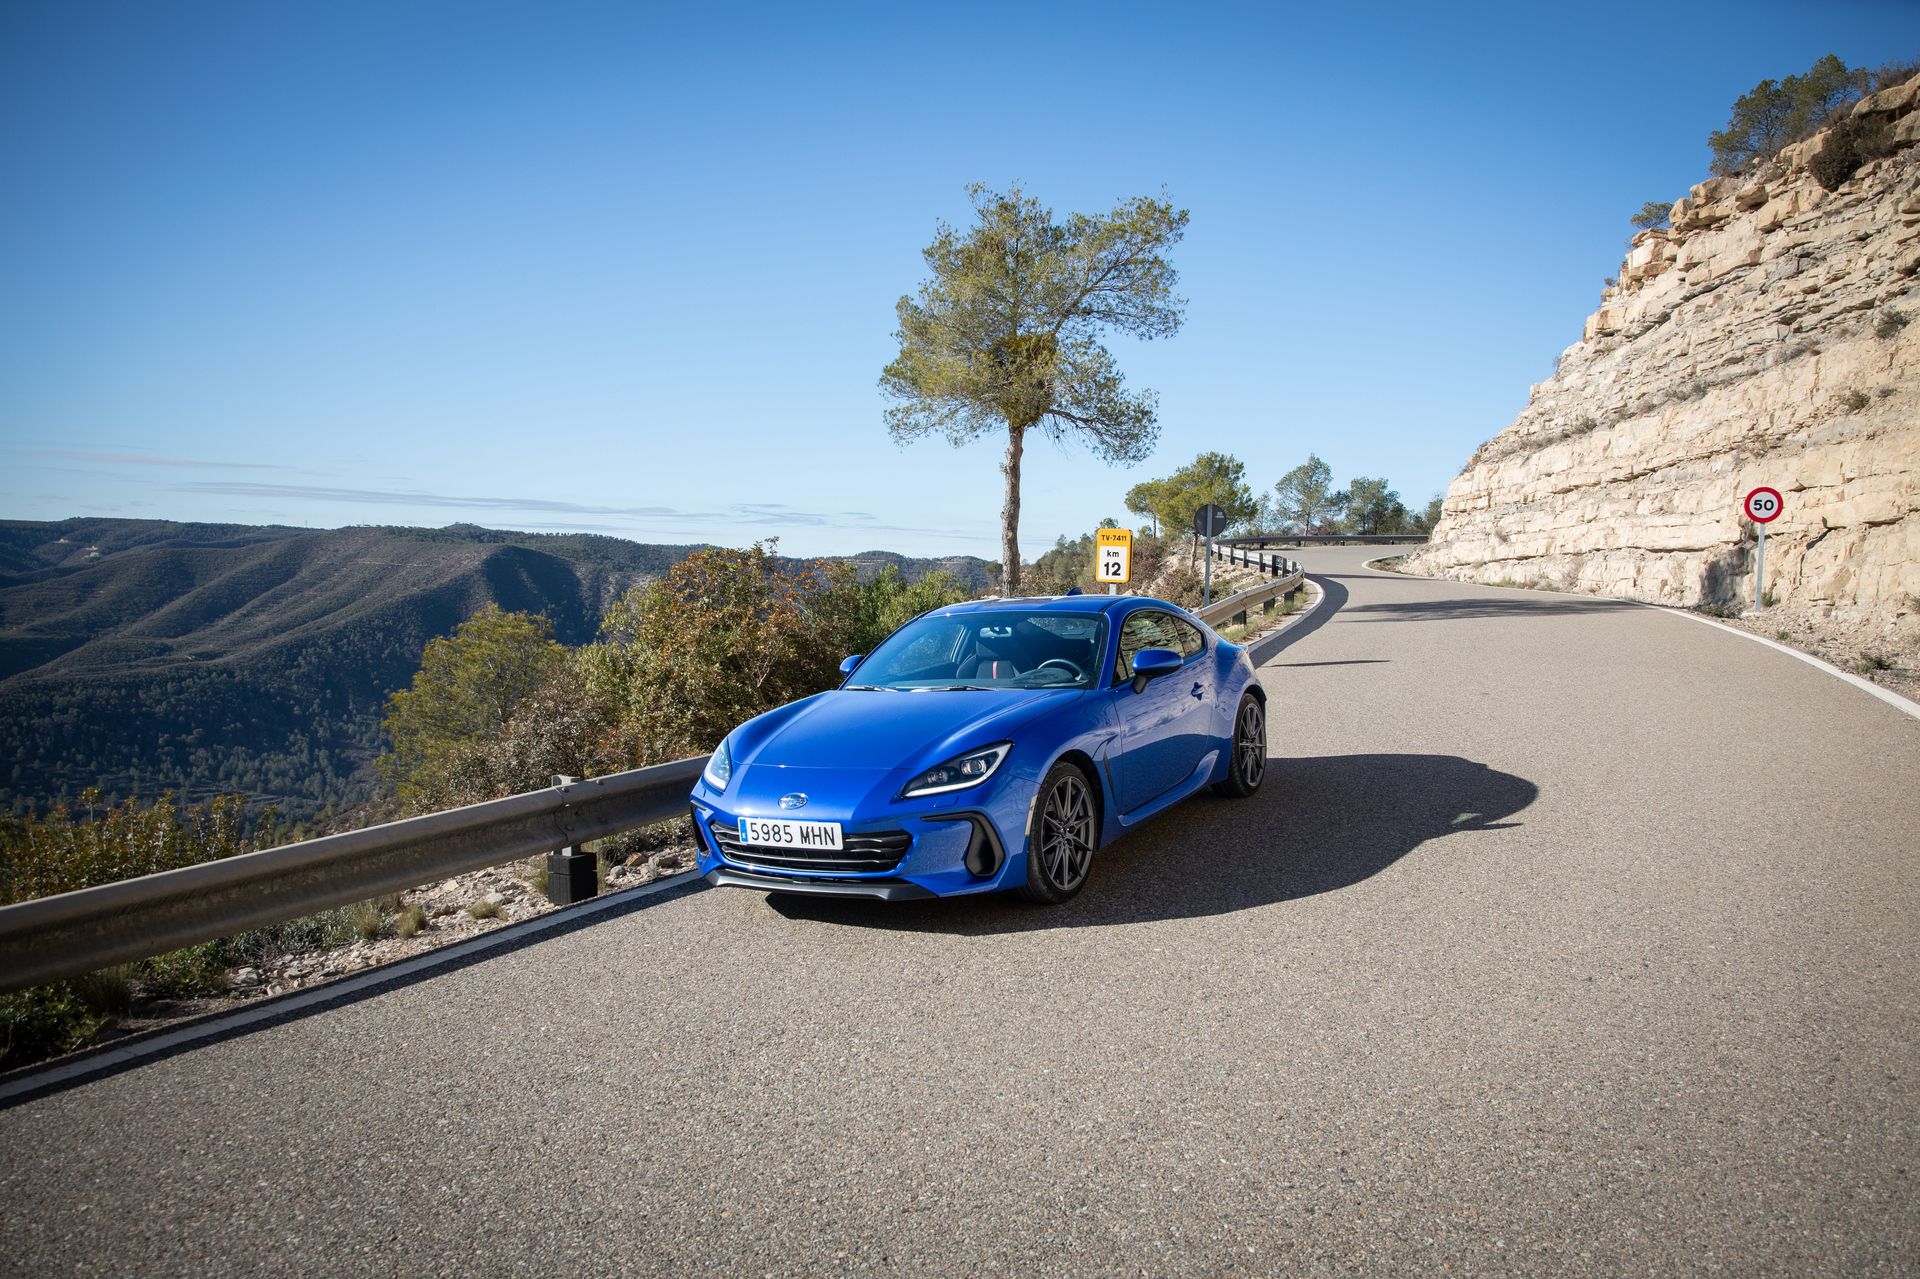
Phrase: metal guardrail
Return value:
(1323, 539)
(1233, 609)
(74, 933)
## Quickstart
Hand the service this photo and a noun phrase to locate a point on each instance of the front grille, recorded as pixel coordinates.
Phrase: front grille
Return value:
(866, 854)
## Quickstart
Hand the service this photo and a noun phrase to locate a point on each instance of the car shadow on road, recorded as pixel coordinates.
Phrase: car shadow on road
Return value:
(1317, 825)
(1466, 608)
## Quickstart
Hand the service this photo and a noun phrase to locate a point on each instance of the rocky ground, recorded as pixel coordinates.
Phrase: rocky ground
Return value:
(1888, 653)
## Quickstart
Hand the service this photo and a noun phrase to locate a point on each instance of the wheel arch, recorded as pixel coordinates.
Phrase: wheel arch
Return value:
(1096, 778)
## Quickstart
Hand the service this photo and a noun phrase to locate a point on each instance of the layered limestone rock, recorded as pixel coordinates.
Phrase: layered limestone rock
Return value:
(1763, 339)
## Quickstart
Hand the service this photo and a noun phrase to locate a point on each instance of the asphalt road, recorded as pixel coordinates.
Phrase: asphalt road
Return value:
(1565, 938)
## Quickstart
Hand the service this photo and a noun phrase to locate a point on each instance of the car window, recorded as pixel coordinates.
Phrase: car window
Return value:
(1000, 648)
(1146, 628)
(1192, 642)
(932, 646)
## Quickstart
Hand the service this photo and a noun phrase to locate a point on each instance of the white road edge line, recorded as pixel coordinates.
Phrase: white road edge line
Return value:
(35, 1080)
(1904, 705)
(1319, 598)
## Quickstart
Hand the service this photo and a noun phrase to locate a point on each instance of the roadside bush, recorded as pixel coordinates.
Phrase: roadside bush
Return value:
(1850, 144)
(68, 850)
(466, 688)
(724, 636)
(1653, 214)
(44, 1022)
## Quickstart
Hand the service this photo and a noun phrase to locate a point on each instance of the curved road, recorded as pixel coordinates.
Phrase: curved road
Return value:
(1566, 938)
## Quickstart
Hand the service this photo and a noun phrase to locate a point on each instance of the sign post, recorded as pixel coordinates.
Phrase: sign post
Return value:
(1763, 507)
(1209, 522)
(1113, 557)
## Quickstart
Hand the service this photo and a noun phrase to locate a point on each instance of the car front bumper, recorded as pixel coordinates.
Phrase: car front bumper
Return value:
(961, 842)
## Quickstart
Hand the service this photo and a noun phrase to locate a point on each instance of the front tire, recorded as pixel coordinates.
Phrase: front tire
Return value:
(1066, 830)
(1247, 760)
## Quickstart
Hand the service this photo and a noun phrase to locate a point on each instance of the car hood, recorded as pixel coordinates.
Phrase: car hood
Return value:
(880, 729)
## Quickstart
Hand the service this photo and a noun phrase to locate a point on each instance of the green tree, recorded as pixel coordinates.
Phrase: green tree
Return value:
(1211, 479)
(466, 689)
(1373, 508)
(1306, 495)
(723, 636)
(1654, 213)
(1775, 113)
(1144, 499)
(1005, 335)
(887, 601)
(1425, 521)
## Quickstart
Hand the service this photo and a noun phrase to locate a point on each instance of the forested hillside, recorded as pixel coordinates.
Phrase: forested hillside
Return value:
(138, 656)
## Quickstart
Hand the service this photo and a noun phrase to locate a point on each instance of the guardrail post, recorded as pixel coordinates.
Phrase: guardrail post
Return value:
(572, 876)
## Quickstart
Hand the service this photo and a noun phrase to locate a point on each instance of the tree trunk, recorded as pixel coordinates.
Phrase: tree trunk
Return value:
(1010, 513)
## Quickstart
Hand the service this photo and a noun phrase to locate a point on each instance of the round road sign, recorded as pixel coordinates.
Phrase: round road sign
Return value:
(1763, 505)
(1209, 521)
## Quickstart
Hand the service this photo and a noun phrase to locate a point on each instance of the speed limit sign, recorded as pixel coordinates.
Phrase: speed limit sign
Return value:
(1763, 505)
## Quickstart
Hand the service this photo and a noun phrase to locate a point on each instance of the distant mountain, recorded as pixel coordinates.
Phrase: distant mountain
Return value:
(143, 655)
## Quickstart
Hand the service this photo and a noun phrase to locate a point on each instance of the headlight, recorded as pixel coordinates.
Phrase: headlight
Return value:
(719, 770)
(959, 772)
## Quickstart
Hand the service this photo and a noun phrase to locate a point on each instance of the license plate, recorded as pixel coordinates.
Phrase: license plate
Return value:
(783, 833)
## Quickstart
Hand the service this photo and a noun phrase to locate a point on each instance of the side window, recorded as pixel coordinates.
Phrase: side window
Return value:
(1148, 628)
(1192, 642)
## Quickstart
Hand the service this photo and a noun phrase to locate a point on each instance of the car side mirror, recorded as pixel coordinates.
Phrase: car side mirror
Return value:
(848, 663)
(1150, 664)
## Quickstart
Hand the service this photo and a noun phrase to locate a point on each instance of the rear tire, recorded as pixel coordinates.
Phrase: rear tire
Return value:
(1066, 830)
(1246, 750)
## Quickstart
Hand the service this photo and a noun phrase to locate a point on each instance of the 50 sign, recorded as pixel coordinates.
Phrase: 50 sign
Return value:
(1763, 505)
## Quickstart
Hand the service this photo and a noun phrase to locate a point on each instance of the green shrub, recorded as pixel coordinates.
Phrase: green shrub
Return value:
(69, 850)
(1854, 400)
(1653, 214)
(409, 922)
(484, 909)
(1889, 322)
(368, 920)
(1775, 113)
(44, 1022)
(186, 973)
(1849, 144)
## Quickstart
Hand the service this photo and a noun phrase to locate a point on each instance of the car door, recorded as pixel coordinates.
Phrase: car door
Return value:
(1163, 727)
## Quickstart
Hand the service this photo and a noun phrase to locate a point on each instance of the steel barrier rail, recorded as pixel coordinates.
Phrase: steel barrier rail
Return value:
(1233, 609)
(1322, 539)
(74, 933)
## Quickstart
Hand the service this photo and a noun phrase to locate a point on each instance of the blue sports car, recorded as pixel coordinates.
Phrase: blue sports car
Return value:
(991, 745)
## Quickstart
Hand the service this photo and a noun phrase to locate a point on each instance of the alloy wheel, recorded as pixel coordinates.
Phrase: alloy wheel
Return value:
(1250, 744)
(1066, 832)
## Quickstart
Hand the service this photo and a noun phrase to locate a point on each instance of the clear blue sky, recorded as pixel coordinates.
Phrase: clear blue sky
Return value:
(631, 270)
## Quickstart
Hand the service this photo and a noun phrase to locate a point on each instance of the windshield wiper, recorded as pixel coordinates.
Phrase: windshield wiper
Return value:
(869, 688)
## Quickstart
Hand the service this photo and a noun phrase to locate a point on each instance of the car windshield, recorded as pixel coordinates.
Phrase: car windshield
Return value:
(1001, 648)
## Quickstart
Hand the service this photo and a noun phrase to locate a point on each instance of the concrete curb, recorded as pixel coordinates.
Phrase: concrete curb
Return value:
(1258, 651)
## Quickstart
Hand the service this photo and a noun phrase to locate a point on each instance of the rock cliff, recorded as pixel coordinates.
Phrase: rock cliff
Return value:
(1762, 339)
